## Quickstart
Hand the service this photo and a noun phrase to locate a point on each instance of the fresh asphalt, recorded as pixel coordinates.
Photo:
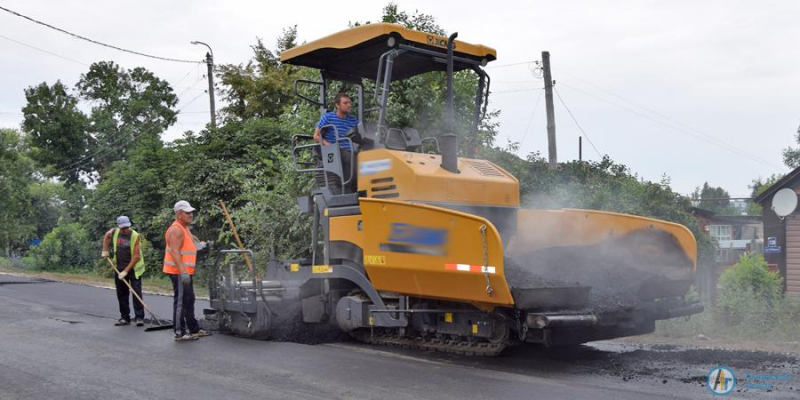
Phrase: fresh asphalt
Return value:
(57, 341)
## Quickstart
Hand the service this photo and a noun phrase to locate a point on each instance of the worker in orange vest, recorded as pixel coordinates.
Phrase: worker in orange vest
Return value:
(179, 263)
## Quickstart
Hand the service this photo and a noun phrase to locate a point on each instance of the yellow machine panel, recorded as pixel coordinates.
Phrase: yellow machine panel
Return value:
(345, 229)
(407, 176)
(427, 251)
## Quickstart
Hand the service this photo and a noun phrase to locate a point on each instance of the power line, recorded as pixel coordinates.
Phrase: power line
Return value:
(718, 142)
(75, 35)
(530, 120)
(722, 145)
(576, 122)
(518, 90)
(43, 51)
(194, 68)
(190, 102)
(510, 65)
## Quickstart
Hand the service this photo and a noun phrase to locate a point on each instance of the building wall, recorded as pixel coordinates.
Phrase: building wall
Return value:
(775, 227)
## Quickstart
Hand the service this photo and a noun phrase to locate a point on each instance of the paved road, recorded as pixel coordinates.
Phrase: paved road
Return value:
(57, 341)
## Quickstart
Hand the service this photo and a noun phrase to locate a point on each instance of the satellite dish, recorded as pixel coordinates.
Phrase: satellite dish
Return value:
(784, 202)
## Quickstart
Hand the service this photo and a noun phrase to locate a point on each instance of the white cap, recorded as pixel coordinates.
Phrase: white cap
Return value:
(123, 221)
(184, 206)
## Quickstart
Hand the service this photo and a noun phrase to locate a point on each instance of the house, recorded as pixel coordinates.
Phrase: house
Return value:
(735, 235)
(782, 247)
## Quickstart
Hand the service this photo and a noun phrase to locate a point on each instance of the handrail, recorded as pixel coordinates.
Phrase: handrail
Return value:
(308, 99)
(336, 141)
(402, 136)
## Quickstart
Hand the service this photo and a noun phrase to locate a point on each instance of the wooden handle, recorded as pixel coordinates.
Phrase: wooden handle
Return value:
(131, 288)
(236, 235)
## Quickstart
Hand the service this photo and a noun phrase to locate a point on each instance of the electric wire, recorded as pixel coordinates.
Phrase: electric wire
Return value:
(677, 129)
(668, 118)
(76, 36)
(530, 120)
(43, 51)
(510, 65)
(576, 122)
(517, 90)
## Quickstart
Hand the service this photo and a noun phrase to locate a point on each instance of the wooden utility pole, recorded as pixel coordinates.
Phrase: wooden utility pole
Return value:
(580, 148)
(551, 116)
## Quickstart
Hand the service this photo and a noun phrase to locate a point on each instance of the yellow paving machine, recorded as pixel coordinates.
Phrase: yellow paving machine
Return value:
(416, 246)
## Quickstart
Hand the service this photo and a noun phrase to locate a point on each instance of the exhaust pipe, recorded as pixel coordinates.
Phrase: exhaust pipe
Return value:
(448, 142)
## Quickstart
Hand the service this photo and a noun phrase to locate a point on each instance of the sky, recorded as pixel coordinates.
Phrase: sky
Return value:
(693, 90)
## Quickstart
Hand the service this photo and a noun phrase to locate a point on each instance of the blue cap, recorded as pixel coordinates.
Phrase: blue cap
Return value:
(123, 222)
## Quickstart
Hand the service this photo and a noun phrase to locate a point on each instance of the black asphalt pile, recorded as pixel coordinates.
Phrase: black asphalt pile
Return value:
(614, 269)
(288, 326)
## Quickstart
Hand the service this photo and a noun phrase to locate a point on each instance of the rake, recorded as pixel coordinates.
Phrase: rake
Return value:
(155, 323)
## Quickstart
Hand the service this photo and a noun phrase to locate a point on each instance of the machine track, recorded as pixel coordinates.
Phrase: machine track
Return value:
(453, 346)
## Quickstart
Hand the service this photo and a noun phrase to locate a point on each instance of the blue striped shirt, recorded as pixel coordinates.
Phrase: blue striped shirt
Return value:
(342, 126)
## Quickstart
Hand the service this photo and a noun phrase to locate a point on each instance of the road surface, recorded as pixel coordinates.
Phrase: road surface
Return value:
(57, 341)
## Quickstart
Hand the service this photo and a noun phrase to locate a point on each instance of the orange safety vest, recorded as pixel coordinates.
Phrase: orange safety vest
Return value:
(188, 252)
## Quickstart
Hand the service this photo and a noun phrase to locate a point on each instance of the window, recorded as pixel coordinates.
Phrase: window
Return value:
(720, 232)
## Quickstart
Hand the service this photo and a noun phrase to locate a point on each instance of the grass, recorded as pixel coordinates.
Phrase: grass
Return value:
(153, 281)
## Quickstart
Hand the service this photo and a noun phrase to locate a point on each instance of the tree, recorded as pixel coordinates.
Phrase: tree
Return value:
(127, 105)
(758, 186)
(16, 174)
(263, 87)
(791, 156)
(714, 199)
(57, 131)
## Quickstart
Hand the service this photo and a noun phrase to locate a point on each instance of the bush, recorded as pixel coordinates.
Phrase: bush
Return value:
(750, 305)
(749, 295)
(66, 247)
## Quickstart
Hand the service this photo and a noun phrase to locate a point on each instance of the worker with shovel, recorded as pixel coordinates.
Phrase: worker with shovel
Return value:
(126, 255)
(179, 263)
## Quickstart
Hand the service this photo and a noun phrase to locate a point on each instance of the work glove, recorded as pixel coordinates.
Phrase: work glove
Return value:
(104, 254)
(123, 274)
(185, 277)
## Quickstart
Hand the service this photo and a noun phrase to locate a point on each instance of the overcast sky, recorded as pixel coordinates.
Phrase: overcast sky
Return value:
(697, 90)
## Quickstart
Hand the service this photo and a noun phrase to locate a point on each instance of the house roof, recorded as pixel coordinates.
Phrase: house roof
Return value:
(780, 184)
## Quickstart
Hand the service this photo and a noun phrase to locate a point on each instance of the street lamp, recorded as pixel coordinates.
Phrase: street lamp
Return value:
(210, 63)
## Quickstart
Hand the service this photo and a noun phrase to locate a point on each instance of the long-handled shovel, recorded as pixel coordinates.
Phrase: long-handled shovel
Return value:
(156, 324)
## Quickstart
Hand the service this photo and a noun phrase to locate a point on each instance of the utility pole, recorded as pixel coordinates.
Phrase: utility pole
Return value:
(580, 148)
(210, 64)
(551, 116)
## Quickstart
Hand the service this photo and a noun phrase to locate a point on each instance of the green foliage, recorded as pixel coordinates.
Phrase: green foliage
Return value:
(270, 217)
(67, 246)
(710, 195)
(17, 222)
(791, 156)
(758, 186)
(749, 291)
(57, 130)
(750, 305)
(127, 105)
(263, 87)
